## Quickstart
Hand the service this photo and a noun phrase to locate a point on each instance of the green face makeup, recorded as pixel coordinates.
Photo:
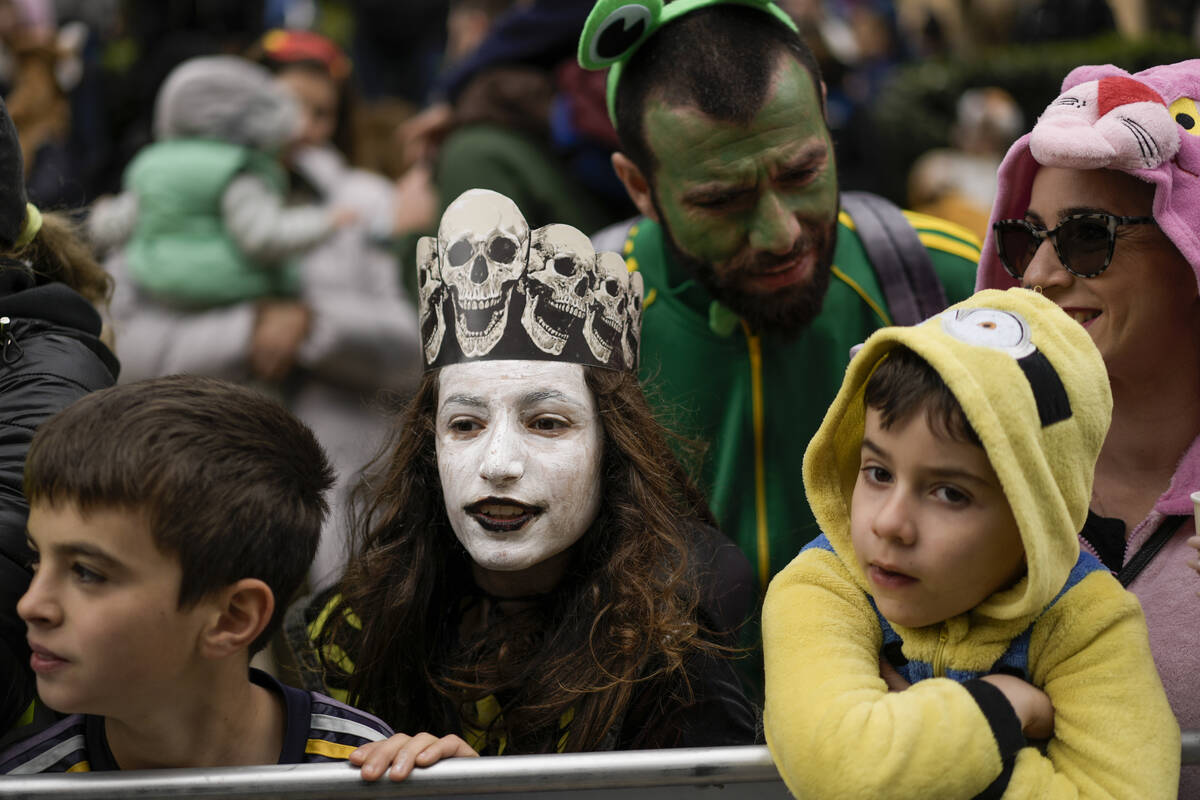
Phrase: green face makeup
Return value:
(730, 192)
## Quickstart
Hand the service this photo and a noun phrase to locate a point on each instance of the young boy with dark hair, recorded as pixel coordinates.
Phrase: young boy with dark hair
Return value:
(945, 637)
(172, 520)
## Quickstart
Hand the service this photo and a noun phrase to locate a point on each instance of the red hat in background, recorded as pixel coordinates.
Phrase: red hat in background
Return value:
(288, 47)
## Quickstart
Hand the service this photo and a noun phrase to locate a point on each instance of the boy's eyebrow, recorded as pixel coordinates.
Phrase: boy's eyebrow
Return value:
(867, 444)
(958, 474)
(85, 549)
(936, 472)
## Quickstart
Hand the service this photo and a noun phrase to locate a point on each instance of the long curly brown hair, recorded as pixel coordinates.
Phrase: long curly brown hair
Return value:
(625, 612)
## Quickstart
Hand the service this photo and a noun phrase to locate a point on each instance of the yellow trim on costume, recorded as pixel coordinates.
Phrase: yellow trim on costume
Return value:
(754, 343)
(318, 624)
(650, 297)
(861, 292)
(82, 766)
(935, 232)
(930, 223)
(322, 747)
(333, 653)
(33, 224)
(564, 725)
(937, 241)
(631, 264)
(27, 716)
(487, 712)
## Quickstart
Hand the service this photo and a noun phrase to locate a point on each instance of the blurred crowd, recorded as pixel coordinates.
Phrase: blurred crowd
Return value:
(491, 85)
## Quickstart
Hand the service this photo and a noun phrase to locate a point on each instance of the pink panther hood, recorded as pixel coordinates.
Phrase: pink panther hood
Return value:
(1145, 124)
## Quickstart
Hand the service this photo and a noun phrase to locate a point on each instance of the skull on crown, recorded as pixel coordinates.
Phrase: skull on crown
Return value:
(606, 317)
(631, 342)
(561, 263)
(483, 244)
(431, 292)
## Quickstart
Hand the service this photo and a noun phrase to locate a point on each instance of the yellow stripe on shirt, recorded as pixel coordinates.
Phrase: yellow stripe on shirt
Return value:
(937, 233)
(935, 241)
(861, 292)
(944, 226)
(322, 747)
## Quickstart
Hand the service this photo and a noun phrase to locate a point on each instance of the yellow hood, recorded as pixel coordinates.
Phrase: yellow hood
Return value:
(1034, 388)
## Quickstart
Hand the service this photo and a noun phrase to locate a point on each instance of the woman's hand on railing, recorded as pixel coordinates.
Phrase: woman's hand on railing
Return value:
(398, 754)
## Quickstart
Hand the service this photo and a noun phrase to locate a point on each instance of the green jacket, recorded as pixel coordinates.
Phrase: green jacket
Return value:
(756, 400)
(487, 156)
(180, 250)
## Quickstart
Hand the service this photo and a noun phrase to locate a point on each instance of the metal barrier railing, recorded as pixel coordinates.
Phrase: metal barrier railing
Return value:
(743, 772)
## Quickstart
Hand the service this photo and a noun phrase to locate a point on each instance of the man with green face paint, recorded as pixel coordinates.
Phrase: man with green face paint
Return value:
(757, 283)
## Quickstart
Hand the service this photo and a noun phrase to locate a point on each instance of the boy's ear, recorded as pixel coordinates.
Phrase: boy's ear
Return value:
(243, 610)
(636, 184)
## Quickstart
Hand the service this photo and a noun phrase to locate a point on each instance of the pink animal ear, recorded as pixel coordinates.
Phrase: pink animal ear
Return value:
(1091, 72)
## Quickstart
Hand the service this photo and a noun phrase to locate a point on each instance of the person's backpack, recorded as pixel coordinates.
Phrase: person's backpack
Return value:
(901, 262)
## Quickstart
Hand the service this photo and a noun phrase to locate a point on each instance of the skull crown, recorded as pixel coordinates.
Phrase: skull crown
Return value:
(490, 288)
(431, 296)
(483, 245)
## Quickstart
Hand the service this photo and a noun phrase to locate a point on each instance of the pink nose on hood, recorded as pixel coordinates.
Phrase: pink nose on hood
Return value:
(1105, 118)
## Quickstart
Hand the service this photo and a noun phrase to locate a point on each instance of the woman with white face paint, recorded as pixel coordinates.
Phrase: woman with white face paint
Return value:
(535, 571)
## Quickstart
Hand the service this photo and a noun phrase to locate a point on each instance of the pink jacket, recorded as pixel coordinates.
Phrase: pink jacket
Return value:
(1167, 589)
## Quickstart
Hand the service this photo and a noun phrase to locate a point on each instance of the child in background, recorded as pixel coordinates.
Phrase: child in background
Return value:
(172, 520)
(203, 207)
(950, 477)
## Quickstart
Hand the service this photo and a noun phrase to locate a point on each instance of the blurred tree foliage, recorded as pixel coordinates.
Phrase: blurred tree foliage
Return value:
(915, 110)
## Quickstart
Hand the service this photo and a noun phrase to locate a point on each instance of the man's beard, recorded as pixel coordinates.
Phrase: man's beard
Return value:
(786, 312)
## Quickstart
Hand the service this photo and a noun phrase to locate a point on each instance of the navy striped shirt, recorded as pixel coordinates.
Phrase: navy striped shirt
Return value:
(316, 729)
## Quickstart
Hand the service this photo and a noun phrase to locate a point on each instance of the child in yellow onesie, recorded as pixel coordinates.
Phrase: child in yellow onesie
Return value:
(945, 637)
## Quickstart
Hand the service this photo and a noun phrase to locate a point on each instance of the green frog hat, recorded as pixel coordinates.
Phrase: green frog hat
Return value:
(616, 29)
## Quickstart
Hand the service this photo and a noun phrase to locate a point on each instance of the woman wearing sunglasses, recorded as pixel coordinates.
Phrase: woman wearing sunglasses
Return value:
(1099, 209)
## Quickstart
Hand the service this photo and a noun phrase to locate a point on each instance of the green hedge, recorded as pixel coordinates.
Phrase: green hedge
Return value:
(914, 111)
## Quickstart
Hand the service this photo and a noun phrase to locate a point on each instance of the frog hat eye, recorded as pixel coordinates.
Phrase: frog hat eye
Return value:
(616, 28)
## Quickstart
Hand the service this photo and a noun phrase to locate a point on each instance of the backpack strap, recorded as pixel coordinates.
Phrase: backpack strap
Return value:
(902, 264)
(1150, 549)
